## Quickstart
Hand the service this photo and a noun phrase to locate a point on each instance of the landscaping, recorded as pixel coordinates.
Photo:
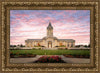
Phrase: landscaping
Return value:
(76, 56)
(50, 59)
(21, 55)
(34, 52)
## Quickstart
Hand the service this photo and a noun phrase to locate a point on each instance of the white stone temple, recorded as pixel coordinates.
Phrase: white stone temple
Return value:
(49, 41)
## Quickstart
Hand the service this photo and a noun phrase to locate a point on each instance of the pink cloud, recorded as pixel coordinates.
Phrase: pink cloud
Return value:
(22, 15)
(26, 27)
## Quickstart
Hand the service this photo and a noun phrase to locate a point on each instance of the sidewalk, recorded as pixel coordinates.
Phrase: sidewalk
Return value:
(24, 60)
(75, 60)
(67, 60)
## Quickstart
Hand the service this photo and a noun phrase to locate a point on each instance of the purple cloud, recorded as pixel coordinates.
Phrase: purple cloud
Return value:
(71, 24)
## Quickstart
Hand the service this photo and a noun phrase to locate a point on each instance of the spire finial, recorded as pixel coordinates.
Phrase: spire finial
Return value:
(49, 23)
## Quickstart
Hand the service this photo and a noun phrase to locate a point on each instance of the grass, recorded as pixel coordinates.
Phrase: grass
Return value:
(52, 52)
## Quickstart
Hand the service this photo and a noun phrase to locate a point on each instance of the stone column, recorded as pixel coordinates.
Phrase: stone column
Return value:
(69, 44)
(26, 44)
(73, 44)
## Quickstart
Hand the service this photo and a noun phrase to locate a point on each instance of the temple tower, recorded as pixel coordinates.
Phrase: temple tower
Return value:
(49, 30)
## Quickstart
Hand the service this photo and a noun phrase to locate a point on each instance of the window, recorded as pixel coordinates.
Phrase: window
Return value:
(72, 45)
(68, 45)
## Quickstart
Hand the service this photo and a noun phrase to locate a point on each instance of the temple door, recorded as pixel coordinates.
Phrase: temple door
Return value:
(49, 44)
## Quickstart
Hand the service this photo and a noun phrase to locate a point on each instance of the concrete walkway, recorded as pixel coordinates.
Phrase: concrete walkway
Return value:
(67, 60)
(24, 60)
(75, 60)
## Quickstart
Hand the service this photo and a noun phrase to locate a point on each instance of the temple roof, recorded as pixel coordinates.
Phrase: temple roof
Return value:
(49, 37)
(68, 40)
(44, 38)
(30, 40)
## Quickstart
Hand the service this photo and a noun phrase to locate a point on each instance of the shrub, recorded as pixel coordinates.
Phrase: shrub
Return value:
(42, 46)
(56, 46)
(66, 48)
(33, 48)
(62, 46)
(51, 59)
(39, 48)
(17, 48)
(59, 48)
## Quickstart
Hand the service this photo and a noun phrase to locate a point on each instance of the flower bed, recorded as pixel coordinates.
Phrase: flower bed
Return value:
(77, 56)
(24, 55)
(50, 59)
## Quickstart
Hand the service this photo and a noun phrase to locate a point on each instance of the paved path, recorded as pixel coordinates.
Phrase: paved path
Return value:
(24, 60)
(75, 60)
(31, 60)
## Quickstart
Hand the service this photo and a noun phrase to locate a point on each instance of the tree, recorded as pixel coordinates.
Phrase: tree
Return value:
(89, 45)
(11, 46)
(21, 45)
(14, 46)
(77, 46)
(18, 45)
(85, 46)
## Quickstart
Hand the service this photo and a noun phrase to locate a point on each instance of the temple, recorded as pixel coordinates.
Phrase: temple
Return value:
(49, 41)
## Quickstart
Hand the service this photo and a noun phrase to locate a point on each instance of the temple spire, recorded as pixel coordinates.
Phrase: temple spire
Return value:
(49, 23)
(49, 26)
(50, 30)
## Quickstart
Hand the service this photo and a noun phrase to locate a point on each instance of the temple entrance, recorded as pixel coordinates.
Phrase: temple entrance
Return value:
(49, 44)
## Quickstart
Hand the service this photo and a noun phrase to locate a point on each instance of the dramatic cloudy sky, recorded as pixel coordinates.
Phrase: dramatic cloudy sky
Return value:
(32, 24)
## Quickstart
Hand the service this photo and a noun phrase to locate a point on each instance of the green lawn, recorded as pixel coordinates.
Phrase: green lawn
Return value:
(52, 52)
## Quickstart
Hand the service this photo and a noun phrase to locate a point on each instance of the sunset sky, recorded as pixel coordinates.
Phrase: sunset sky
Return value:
(32, 24)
